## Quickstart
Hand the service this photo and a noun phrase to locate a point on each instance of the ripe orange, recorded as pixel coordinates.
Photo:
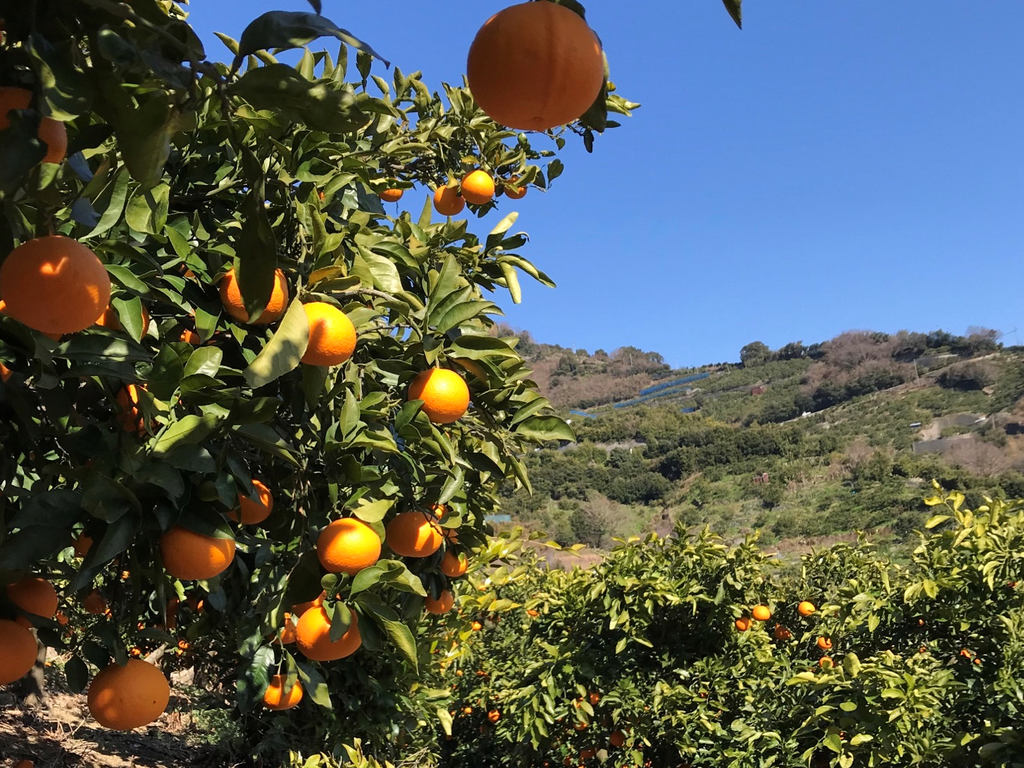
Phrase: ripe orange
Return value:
(190, 337)
(131, 417)
(825, 643)
(54, 284)
(806, 608)
(313, 637)
(444, 394)
(825, 662)
(761, 613)
(190, 555)
(535, 66)
(478, 187)
(347, 546)
(443, 604)
(123, 698)
(414, 534)
(254, 512)
(594, 698)
(5, 373)
(82, 545)
(17, 651)
(781, 633)
(51, 132)
(94, 604)
(493, 716)
(332, 337)
(391, 195)
(448, 201)
(477, 626)
(110, 320)
(288, 631)
(25, 764)
(34, 595)
(300, 608)
(743, 623)
(453, 565)
(277, 699)
(231, 298)
(617, 738)
(513, 192)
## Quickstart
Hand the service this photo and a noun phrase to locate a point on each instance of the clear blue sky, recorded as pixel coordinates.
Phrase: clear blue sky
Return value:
(835, 165)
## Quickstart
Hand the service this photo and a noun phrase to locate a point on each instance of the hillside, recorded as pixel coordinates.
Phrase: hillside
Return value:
(807, 444)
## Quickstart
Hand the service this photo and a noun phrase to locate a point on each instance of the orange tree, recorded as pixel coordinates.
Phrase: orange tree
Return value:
(654, 657)
(216, 340)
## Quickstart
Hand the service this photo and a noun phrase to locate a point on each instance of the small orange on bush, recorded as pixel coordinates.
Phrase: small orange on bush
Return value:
(347, 546)
(54, 284)
(761, 613)
(478, 187)
(493, 716)
(123, 698)
(514, 192)
(94, 604)
(617, 738)
(277, 699)
(332, 337)
(743, 623)
(477, 626)
(188, 555)
(51, 132)
(453, 565)
(313, 636)
(825, 643)
(806, 608)
(444, 394)
(34, 595)
(234, 305)
(448, 201)
(414, 534)
(254, 512)
(391, 195)
(825, 662)
(442, 604)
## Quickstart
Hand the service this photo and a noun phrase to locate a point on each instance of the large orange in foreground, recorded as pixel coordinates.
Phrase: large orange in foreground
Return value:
(535, 66)
(234, 304)
(444, 394)
(414, 534)
(51, 131)
(17, 651)
(190, 555)
(122, 698)
(347, 546)
(313, 637)
(332, 337)
(54, 284)
(34, 595)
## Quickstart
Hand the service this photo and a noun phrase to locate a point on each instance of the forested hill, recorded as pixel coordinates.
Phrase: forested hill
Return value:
(805, 443)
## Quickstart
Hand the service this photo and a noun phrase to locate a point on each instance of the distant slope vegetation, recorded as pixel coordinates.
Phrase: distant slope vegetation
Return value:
(805, 443)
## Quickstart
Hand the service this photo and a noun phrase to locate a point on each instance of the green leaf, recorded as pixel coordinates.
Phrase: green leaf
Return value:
(936, 521)
(147, 211)
(402, 637)
(320, 105)
(58, 508)
(293, 29)
(511, 282)
(189, 429)
(545, 428)
(284, 351)
(734, 7)
(833, 742)
(77, 674)
(314, 685)
(111, 202)
(861, 738)
(445, 717)
(366, 578)
(374, 511)
(256, 262)
(20, 150)
(341, 620)
(204, 362)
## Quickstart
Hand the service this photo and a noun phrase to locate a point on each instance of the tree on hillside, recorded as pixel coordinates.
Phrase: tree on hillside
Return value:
(755, 353)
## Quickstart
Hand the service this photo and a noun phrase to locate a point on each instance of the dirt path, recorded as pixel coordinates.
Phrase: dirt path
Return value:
(64, 735)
